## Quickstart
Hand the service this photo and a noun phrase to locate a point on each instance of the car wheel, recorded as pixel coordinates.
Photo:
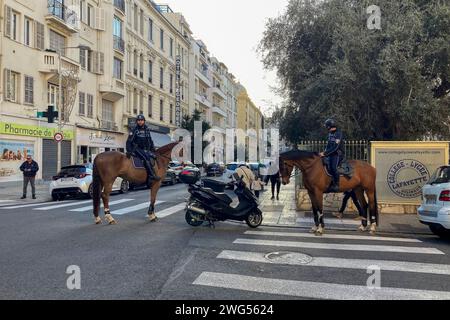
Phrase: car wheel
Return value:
(91, 191)
(55, 197)
(440, 231)
(124, 186)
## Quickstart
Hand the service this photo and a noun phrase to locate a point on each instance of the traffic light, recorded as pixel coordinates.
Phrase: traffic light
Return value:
(51, 114)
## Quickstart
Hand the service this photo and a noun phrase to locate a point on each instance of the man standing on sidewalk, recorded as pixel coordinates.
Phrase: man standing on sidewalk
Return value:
(29, 169)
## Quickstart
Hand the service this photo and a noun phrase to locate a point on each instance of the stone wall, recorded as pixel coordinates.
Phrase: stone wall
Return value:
(332, 203)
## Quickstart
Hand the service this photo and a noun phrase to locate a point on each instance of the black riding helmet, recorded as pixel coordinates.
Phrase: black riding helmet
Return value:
(330, 123)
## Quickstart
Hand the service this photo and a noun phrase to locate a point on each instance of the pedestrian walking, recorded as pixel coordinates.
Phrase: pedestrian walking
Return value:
(29, 169)
(347, 195)
(275, 182)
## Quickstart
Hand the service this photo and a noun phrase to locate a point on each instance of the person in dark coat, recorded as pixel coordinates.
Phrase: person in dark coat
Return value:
(29, 169)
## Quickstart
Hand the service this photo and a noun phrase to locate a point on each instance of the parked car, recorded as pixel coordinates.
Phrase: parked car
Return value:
(214, 170)
(77, 181)
(435, 208)
(170, 178)
(177, 167)
(259, 169)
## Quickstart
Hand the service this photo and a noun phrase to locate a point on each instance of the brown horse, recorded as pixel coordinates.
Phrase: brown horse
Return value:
(317, 181)
(110, 165)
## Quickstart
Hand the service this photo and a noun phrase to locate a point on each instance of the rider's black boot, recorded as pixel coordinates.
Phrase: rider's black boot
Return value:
(151, 173)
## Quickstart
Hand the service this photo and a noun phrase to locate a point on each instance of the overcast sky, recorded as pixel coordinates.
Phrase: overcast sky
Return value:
(232, 29)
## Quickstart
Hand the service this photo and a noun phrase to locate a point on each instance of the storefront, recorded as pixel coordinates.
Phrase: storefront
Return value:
(92, 142)
(160, 134)
(19, 140)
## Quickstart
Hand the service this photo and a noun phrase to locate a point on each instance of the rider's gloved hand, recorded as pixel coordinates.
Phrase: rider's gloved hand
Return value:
(128, 154)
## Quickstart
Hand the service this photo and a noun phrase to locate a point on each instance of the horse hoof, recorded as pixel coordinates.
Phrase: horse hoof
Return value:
(98, 220)
(313, 230)
(110, 219)
(319, 232)
(373, 228)
(362, 228)
(152, 217)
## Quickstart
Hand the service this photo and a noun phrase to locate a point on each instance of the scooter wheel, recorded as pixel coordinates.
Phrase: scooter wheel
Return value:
(254, 219)
(193, 219)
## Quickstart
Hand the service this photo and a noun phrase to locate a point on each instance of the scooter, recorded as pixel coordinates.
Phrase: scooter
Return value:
(208, 205)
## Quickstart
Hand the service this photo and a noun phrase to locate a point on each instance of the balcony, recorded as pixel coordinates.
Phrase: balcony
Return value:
(119, 44)
(219, 92)
(48, 62)
(203, 76)
(113, 91)
(108, 125)
(203, 99)
(216, 109)
(120, 4)
(61, 17)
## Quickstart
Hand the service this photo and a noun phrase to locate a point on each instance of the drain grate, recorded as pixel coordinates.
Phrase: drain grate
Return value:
(285, 257)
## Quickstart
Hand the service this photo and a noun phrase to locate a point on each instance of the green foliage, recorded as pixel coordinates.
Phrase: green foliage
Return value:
(389, 84)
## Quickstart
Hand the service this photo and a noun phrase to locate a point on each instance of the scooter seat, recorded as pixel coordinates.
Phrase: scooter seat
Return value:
(221, 196)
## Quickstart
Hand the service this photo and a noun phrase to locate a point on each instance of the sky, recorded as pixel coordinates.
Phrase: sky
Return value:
(232, 30)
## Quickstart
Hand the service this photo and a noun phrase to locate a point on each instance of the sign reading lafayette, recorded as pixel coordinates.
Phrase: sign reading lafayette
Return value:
(32, 131)
(403, 168)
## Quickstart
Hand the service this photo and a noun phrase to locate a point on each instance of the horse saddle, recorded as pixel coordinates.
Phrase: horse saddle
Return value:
(344, 168)
(138, 163)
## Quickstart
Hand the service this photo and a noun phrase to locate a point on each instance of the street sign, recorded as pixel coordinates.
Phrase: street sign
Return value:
(58, 137)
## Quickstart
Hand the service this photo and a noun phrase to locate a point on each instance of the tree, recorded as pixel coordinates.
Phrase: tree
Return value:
(188, 123)
(388, 84)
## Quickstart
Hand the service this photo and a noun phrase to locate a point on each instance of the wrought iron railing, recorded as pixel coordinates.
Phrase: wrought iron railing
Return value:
(119, 44)
(59, 10)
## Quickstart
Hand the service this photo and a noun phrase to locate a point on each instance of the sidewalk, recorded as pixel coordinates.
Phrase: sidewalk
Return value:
(10, 192)
(283, 213)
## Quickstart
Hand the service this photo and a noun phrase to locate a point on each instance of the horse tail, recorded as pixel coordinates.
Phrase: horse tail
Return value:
(96, 188)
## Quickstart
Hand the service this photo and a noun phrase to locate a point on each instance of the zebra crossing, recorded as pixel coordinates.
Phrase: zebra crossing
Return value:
(333, 253)
(118, 207)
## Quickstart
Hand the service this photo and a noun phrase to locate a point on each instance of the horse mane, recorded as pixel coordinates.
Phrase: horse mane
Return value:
(166, 148)
(298, 155)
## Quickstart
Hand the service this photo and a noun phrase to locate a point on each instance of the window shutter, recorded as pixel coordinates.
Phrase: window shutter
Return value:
(84, 15)
(8, 84)
(98, 62)
(39, 35)
(8, 18)
(100, 19)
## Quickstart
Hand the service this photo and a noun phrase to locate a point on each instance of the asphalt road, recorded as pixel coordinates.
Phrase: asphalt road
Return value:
(171, 260)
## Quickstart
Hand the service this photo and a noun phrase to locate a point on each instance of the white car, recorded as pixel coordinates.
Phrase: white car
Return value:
(435, 208)
(77, 181)
(177, 167)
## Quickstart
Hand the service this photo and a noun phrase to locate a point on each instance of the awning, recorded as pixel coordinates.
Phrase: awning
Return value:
(160, 140)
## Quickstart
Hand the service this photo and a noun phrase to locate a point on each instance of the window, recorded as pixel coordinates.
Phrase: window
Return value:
(39, 35)
(90, 15)
(27, 32)
(117, 27)
(141, 66)
(150, 30)
(52, 95)
(171, 47)
(161, 78)
(136, 13)
(141, 102)
(29, 90)
(11, 85)
(57, 42)
(150, 71)
(90, 103)
(135, 64)
(161, 39)
(171, 83)
(171, 113)
(150, 106)
(15, 26)
(108, 112)
(141, 22)
(82, 4)
(81, 103)
(83, 59)
(135, 101)
(161, 110)
(117, 72)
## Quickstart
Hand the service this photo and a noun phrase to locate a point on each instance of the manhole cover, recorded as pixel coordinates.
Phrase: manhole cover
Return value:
(288, 257)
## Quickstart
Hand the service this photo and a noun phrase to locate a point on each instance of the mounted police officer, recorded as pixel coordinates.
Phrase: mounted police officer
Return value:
(141, 144)
(334, 152)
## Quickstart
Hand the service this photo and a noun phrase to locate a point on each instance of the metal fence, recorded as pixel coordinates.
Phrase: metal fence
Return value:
(354, 150)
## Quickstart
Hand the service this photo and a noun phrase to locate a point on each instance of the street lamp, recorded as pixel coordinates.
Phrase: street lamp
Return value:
(81, 47)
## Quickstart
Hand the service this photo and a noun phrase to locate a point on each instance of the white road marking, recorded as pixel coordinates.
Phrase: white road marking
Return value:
(88, 208)
(63, 205)
(330, 221)
(318, 290)
(333, 246)
(363, 264)
(330, 236)
(29, 205)
(169, 211)
(138, 207)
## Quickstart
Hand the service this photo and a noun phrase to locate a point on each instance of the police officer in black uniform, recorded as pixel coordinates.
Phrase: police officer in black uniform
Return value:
(334, 151)
(140, 143)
